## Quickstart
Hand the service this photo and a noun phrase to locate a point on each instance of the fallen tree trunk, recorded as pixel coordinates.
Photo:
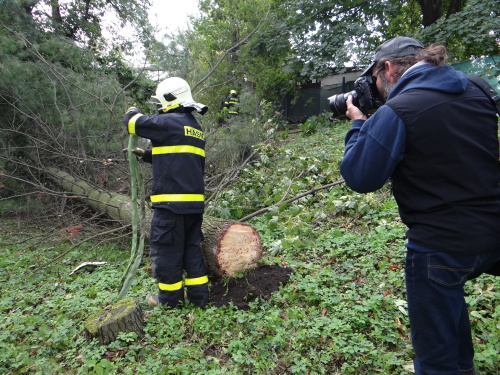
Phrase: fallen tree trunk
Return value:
(229, 246)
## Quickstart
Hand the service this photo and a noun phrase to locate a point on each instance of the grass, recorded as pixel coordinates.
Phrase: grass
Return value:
(343, 311)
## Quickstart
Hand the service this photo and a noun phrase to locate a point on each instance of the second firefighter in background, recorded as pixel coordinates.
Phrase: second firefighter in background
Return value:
(177, 196)
(229, 107)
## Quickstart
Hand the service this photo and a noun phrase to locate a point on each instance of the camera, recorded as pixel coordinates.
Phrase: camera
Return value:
(365, 96)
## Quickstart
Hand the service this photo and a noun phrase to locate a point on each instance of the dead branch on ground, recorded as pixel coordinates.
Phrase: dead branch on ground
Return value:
(312, 191)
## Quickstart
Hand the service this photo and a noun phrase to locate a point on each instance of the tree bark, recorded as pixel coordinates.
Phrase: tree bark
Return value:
(431, 11)
(454, 7)
(124, 316)
(229, 246)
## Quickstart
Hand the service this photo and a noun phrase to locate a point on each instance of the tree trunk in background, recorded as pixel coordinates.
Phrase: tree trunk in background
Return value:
(454, 7)
(228, 247)
(431, 11)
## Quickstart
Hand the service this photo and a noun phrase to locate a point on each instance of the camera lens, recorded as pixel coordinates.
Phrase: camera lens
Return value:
(338, 103)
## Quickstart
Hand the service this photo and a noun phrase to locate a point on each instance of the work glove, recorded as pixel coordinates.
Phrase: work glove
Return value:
(133, 109)
(139, 152)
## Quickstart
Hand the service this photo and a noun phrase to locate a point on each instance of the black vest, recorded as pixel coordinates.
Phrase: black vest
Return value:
(447, 186)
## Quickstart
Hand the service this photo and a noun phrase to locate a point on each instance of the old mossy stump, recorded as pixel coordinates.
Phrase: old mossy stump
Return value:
(124, 316)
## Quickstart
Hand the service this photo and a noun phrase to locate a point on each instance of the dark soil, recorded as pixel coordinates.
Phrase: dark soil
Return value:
(257, 282)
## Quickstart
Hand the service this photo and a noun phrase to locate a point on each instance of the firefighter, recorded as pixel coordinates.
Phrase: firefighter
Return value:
(178, 159)
(229, 107)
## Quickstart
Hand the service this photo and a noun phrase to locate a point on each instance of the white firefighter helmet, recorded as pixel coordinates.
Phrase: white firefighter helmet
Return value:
(173, 92)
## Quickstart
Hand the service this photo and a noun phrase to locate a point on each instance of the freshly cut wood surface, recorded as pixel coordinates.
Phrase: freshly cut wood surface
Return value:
(229, 246)
(239, 248)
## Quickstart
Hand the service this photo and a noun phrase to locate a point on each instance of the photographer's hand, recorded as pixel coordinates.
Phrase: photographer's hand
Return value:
(353, 112)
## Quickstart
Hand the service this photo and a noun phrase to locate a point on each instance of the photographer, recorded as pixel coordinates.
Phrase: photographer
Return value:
(436, 138)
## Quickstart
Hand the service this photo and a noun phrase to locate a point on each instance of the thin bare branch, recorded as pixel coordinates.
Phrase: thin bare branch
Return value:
(312, 191)
(77, 245)
(228, 51)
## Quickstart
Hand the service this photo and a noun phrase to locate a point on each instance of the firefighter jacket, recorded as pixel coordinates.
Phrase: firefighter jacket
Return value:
(177, 156)
(231, 103)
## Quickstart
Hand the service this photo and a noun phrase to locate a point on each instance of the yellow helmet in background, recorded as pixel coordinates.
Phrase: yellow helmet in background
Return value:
(232, 92)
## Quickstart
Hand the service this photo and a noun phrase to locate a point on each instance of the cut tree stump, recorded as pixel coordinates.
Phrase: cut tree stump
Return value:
(106, 325)
(235, 247)
(229, 246)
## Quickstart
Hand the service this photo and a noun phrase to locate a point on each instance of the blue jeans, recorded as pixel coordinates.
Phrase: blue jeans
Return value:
(439, 320)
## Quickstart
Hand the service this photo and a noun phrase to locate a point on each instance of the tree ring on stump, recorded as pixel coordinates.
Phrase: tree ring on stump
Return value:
(240, 248)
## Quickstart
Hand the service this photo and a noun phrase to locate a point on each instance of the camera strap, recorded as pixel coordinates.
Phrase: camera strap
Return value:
(487, 89)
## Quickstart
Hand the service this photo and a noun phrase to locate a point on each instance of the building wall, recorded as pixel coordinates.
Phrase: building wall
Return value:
(338, 79)
(313, 98)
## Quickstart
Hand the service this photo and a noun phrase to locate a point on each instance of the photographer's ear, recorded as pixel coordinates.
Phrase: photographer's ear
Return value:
(390, 72)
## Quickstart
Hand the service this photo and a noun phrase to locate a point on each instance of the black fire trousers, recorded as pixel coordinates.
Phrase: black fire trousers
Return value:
(174, 249)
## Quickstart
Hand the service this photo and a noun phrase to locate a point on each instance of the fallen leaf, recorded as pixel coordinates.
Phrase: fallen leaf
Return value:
(400, 326)
(73, 230)
(409, 367)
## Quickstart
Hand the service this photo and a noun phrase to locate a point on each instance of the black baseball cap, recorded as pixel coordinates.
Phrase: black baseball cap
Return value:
(399, 46)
